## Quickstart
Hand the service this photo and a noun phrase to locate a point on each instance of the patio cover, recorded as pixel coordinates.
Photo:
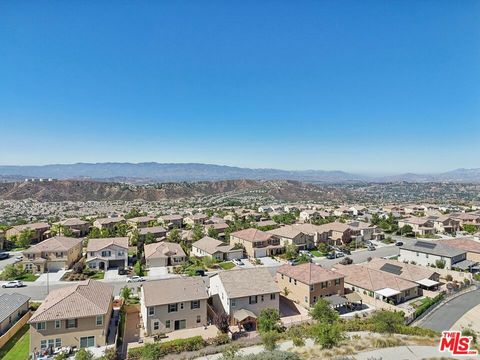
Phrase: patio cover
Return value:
(464, 265)
(353, 297)
(427, 282)
(336, 300)
(242, 314)
(387, 292)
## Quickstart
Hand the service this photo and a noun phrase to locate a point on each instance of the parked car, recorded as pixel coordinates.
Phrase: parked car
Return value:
(306, 253)
(4, 255)
(122, 271)
(199, 272)
(18, 258)
(346, 251)
(339, 254)
(330, 256)
(135, 278)
(13, 284)
(293, 262)
(237, 262)
(371, 248)
(399, 243)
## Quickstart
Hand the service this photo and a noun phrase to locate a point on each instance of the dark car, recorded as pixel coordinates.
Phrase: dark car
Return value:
(331, 256)
(399, 243)
(122, 271)
(4, 256)
(200, 272)
(346, 251)
(339, 254)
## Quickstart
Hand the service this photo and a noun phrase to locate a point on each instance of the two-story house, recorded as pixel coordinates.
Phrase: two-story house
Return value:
(243, 294)
(257, 243)
(106, 253)
(78, 227)
(109, 223)
(12, 308)
(306, 283)
(76, 316)
(140, 221)
(216, 249)
(53, 254)
(171, 221)
(290, 234)
(37, 231)
(164, 254)
(195, 219)
(173, 304)
(420, 225)
(156, 232)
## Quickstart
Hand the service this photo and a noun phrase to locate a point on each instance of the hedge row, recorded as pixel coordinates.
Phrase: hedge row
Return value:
(427, 304)
(160, 349)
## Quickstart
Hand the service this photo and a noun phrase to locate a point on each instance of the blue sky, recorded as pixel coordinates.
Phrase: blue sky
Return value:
(361, 86)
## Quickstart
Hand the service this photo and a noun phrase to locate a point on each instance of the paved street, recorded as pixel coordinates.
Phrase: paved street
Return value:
(447, 315)
(10, 260)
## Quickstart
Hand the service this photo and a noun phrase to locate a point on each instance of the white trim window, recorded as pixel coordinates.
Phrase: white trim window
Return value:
(58, 324)
(99, 320)
(87, 341)
(41, 326)
(151, 310)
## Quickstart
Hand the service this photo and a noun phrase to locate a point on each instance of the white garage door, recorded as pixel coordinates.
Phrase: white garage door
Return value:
(55, 266)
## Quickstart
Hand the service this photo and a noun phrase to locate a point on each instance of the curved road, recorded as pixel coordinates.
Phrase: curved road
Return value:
(447, 315)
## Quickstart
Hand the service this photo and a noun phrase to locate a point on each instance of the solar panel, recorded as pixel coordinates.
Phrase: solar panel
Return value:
(425, 244)
(392, 269)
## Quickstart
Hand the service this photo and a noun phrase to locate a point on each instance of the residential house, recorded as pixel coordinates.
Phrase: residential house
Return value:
(216, 249)
(107, 253)
(171, 221)
(219, 228)
(367, 231)
(312, 215)
(164, 254)
(76, 316)
(306, 283)
(12, 308)
(467, 244)
(140, 221)
(195, 219)
(420, 226)
(257, 243)
(378, 284)
(445, 224)
(53, 254)
(320, 233)
(173, 304)
(429, 253)
(109, 223)
(425, 277)
(243, 294)
(78, 227)
(38, 231)
(156, 232)
(290, 234)
(467, 219)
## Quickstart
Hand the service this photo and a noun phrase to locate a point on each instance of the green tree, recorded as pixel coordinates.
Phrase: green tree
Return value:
(138, 269)
(121, 230)
(125, 293)
(212, 232)
(291, 251)
(323, 312)
(406, 230)
(11, 272)
(25, 238)
(269, 320)
(440, 263)
(134, 236)
(269, 340)
(387, 321)
(327, 335)
(174, 236)
(83, 354)
(470, 228)
(197, 232)
(149, 238)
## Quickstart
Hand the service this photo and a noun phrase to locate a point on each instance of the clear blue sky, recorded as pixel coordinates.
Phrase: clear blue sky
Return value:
(361, 86)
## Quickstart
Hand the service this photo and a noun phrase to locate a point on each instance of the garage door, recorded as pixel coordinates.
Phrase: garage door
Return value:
(116, 264)
(55, 266)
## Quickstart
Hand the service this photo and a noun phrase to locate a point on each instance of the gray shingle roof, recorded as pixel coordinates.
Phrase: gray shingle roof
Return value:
(9, 303)
(434, 248)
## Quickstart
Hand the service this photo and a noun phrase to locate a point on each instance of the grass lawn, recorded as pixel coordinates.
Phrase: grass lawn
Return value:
(316, 253)
(227, 265)
(98, 275)
(17, 347)
(27, 277)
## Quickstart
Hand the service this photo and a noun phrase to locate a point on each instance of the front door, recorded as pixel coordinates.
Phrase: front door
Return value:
(180, 324)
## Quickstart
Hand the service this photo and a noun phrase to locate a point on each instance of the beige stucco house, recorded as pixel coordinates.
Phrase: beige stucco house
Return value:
(173, 304)
(76, 316)
(306, 283)
(164, 254)
(257, 243)
(56, 253)
(78, 227)
(106, 253)
(38, 231)
(216, 249)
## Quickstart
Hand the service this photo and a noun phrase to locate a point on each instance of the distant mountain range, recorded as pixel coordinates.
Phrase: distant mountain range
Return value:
(153, 172)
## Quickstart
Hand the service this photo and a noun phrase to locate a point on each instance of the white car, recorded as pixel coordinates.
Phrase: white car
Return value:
(13, 284)
(237, 262)
(18, 258)
(135, 279)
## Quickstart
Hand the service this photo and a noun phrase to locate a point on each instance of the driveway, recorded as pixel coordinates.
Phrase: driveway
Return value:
(159, 271)
(444, 317)
(112, 274)
(268, 261)
(51, 277)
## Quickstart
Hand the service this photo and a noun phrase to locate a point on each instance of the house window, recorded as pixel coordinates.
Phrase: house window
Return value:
(71, 323)
(58, 342)
(407, 292)
(99, 320)
(57, 324)
(252, 299)
(290, 280)
(120, 253)
(172, 308)
(272, 296)
(295, 282)
(151, 311)
(87, 341)
(232, 302)
(311, 287)
(167, 324)
(306, 299)
(156, 325)
(199, 319)
(337, 281)
(41, 326)
(43, 344)
(314, 299)
(195, 304)
(282, 276)
(261, 298)
(181, 306)
(106, 253)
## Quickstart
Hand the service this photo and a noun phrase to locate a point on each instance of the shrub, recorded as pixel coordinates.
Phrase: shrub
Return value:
(428, 303)
(269, 340)
(158, 350)
(387, 321)
(220, 339)
(323, 312)
(83, 354)
(222, 322)
(269, 320)
(449, 277)
(78, 267)
(327, 335)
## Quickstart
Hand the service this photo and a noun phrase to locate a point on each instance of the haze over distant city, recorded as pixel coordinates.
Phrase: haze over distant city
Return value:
(355, 86)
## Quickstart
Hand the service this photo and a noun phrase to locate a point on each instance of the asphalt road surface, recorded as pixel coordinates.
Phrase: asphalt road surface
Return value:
(447, 315)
